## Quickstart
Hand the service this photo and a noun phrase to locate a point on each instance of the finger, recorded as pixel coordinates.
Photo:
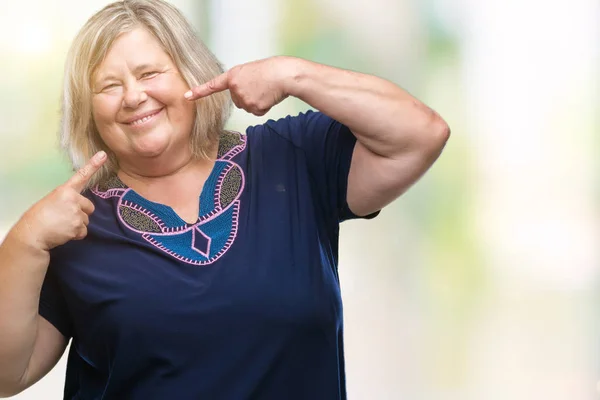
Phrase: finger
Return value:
(237, 102)
(86, 205)
(83, 176)
(81, 233)
(260, 112)
(218, 84)
(84, 218)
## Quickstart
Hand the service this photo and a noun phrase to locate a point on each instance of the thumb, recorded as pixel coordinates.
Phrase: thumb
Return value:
(85, 173)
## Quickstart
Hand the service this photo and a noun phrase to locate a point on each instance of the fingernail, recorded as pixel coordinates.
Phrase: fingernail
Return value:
(188, 94)
(100, 156)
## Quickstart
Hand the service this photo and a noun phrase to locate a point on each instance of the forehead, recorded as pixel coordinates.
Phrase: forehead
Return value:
(130, 50)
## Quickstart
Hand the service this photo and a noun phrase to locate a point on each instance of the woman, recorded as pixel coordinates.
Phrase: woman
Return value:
(199, 263)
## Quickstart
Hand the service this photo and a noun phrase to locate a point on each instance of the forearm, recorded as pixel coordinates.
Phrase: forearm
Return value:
(22, 271)
(384, 118)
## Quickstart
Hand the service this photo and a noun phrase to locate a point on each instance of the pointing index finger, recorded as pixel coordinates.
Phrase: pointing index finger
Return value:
(215, 85)
(85, 173)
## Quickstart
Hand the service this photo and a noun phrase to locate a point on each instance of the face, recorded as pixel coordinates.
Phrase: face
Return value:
(138, 104)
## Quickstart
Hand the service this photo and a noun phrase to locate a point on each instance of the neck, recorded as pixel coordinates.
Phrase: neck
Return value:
(160, 172)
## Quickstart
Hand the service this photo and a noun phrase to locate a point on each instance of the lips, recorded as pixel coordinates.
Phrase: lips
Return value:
(142, 118)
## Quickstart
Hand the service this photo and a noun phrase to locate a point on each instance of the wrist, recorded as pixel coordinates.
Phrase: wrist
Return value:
(26, 238)
(296, 71)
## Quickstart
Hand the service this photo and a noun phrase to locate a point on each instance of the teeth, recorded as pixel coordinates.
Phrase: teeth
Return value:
(142, 120)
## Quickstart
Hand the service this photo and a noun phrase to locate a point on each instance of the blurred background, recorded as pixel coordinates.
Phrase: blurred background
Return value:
(482, 281)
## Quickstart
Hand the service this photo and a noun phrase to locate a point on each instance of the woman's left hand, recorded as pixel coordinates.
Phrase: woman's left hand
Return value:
(255, 86)
(398, 137)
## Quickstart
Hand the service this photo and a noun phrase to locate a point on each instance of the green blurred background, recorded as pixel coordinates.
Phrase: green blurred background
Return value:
(481, 282)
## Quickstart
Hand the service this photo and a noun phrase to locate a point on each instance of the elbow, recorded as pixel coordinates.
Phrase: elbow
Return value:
(437, 135)
(430, 131)
(426, 137)
(440, 132)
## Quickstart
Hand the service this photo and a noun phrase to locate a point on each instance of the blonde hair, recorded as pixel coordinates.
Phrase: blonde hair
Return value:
(79, 137)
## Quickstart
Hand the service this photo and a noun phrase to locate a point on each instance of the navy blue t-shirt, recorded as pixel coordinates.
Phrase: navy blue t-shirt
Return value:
(243, 304)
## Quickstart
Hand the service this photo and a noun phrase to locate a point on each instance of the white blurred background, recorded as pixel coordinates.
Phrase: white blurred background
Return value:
(482, 281)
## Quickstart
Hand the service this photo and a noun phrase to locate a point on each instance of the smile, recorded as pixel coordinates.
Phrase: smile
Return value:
(145, 119)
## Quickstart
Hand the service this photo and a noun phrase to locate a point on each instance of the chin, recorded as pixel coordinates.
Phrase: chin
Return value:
(150, 148)
(150, 152)
(150, 145)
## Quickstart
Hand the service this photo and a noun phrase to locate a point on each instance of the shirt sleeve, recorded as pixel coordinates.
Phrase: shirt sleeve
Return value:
(328, 146)
(53, 306)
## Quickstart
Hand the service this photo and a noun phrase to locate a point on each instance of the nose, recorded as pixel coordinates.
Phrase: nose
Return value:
(134, 95)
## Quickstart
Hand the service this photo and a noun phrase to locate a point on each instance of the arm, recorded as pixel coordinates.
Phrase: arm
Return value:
(22, 271)
(398, 137)
(29, 345)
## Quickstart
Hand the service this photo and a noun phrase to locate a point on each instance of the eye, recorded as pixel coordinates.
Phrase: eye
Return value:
(147, 75)
(109, 87)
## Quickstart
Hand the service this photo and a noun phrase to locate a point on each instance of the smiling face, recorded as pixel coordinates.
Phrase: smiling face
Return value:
(138, 104)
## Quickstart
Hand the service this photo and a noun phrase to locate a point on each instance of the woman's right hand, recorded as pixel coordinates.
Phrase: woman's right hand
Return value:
(62, 215)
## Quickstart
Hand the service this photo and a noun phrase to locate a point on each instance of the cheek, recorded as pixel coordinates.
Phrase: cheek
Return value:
(169, 89)
(179, 109)
(104, 111)
(185, 114)
(188, 109)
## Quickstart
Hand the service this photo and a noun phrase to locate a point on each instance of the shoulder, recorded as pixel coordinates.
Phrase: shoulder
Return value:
(231, 143)
(287, 123)
(297, 129)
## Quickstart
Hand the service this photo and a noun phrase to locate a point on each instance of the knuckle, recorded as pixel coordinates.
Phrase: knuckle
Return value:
(262, 105)
(58, 191)
(74, 225)
(237, 102)
(65, 195)
(73, 206)
(235, 70)
(234, 84)
(81, 233)
(83, 172)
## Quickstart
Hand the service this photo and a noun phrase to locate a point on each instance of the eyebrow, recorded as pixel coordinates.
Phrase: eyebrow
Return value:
(136, 71)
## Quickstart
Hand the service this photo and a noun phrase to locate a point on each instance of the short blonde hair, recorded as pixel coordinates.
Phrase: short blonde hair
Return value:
(196, 63)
